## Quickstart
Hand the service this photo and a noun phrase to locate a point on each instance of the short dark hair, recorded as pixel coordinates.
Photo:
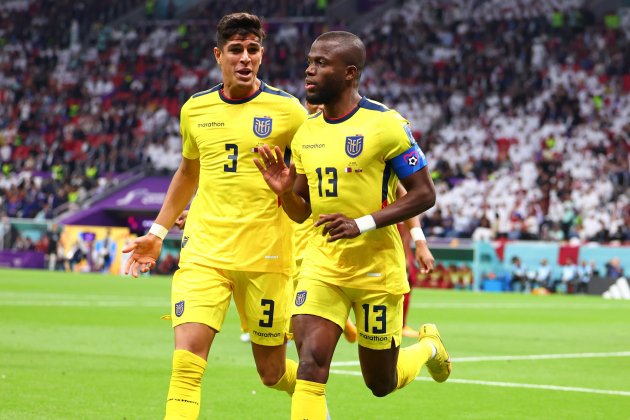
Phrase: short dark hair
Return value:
(238, 23)
(354, 54)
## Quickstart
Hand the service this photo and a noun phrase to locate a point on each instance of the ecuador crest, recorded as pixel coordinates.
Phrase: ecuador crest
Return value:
(179, 308)
(262, 126)
(300, 298)
(354, 145)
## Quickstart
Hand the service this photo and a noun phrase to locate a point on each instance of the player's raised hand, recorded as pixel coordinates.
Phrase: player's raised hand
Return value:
(145, 250)
(276, 173)
(424, 257)
(337, 226)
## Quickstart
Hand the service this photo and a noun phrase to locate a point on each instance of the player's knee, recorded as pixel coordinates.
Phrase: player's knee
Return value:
(269, 375)
(310, 370)
(380, 389)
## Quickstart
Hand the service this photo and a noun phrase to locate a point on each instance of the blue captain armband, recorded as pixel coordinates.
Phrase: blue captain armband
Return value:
(409, 162)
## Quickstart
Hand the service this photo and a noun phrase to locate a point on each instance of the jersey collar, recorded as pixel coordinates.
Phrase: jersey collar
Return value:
(242, 100)
(347, 116)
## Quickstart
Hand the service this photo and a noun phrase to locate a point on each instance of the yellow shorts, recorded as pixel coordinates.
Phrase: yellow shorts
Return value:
(202, 294)
(379, 315)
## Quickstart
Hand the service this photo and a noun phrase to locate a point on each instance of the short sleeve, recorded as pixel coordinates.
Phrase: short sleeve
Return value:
(402, 151)
(189, 146)
(298, 116)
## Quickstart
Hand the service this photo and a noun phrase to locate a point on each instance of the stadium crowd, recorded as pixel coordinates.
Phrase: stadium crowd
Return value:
(523, 107)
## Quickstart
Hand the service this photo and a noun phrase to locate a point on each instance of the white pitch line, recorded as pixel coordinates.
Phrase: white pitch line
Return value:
(506, 305)
(510, 358)
(510, 385)
(542, 357)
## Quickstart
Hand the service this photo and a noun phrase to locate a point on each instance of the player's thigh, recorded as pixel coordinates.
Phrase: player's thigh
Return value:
(200, 295)
(379, 324)
(262, 301)
(321, 299)
(379, 317)
(379, 366)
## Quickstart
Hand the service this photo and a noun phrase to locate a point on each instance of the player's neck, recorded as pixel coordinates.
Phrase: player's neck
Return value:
(235, 92)
(343, 106)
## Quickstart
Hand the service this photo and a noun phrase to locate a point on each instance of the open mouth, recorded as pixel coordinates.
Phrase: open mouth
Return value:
(244, 72)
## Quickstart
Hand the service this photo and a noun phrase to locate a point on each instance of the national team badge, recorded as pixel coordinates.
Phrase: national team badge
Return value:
(300, 298)
(411, 158)
(354, 146)
(262, 126)
(179, 308)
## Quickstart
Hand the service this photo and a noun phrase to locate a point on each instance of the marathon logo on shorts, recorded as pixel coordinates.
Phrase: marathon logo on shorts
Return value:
(354, 145)
(300, 298)
(179, 308)
(262, 126)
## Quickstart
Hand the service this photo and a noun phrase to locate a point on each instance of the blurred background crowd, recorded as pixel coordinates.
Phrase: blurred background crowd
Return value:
(521, 106)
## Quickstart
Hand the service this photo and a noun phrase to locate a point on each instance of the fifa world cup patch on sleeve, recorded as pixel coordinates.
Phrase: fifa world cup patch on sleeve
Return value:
(300, 298)
(179, 308)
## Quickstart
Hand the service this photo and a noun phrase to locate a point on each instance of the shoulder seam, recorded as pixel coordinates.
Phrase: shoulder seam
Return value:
(205, 92)
(274, 91)
(372, 106)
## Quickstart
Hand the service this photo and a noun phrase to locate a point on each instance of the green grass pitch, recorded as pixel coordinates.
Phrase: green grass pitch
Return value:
(83, 346)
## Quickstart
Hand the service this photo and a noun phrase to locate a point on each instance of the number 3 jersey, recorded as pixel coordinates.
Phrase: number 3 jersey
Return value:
(353, 164)
(235, 221)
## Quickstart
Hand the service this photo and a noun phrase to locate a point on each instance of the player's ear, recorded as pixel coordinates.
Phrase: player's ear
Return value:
(352, 73)
(217, 55)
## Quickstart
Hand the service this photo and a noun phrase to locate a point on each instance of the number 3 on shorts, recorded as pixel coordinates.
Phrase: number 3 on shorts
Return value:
(267, 303)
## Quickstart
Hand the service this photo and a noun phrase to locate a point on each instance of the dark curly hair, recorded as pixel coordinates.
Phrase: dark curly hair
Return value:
(238, 23)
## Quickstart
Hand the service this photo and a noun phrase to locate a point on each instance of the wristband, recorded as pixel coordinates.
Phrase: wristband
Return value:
(417, 234)
(365, 223)
(158, 230)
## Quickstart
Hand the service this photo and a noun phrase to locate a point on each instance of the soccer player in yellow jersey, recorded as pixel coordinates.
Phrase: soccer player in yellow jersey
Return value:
(347, 162)
(237, 239)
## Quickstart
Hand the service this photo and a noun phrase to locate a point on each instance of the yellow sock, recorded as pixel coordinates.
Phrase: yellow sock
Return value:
(410, 361)
(287, 382)
(309, 401)
(184, 392)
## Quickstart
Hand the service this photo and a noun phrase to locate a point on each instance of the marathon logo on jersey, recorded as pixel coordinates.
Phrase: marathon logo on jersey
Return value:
(179, 308)
(300, 298)
(184, 241)
(411, 158)
(262, 126)
(354, 145)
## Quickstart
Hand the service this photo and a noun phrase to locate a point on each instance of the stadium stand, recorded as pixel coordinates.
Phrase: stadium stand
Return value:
(522, 106)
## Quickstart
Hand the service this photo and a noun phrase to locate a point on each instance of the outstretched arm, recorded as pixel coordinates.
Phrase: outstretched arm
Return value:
(146, 249)
(292, 188)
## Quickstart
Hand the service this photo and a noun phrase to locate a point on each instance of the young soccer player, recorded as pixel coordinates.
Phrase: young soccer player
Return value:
(236, 240)
(348, 160)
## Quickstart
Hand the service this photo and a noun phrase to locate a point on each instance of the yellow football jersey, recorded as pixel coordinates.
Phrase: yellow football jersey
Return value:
(302, 233)
(353, 165)
(235, 221)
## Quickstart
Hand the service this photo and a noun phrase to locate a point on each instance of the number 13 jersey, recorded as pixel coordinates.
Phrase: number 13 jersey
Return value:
(353, 164)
